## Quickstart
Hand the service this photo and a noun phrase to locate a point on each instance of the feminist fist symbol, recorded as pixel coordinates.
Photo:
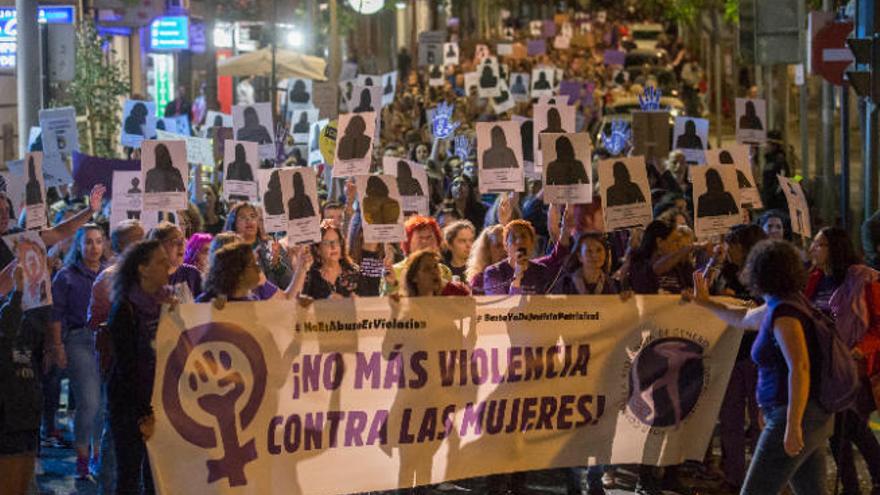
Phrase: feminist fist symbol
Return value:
(462, 147)
(649, 100)
(442, 122)
(616, 142)
(212, 381)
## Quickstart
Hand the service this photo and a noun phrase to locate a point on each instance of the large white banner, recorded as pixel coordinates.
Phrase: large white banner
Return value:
(370, 394)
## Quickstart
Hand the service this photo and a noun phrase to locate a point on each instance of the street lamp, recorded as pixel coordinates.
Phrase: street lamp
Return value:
(295, 39)
(366, 6)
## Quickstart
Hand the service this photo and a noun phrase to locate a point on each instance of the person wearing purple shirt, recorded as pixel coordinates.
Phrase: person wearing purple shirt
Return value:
(71, 290)
(139, 290)
(182, 277)
(519, 275)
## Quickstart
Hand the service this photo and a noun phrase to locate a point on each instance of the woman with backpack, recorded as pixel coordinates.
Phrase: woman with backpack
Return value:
(790, 360)
(847, 290)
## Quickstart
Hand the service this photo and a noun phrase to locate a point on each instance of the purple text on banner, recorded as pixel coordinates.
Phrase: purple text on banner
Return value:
(537, 47)
(90, 170)
(549, 29)
(614, 57)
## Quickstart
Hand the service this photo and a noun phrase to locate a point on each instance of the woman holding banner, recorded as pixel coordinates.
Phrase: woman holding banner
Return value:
(244, 220)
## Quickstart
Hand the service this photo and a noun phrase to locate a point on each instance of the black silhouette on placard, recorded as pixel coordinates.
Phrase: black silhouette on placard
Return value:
(160, 125)
(503, 72)
(366, 103)
(750, 119)
(33, 190)
(430, 57)
(624, 191)
(218, 121)
(297, 157)
(725, 158)
(519, 86)
(378, 207)
(273, 200)
(689, 140)
(487, 78)
(136, 120)
(299, 205)
(407, 185)
(302, 125)
(135, 186)
(164, 177)
(354, 144)
(240, 169)
(389, 86)
(526, 132)
(435, 72)
(349, 87)
(503, 97)
(499, 155)
(132, 215)
(554, 122)
(542, 83)
(566, 169)
(368, 81)
(451, 53)
(715, 201)
(299, 94)
(253, 130)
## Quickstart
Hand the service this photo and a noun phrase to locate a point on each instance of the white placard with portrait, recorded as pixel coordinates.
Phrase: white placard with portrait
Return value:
(412, 183)
(240, 161)
(354, 144)
(499, 155)
(716, 200)
(165, 175)
(381, 209)
(568, 174)
(625, 192)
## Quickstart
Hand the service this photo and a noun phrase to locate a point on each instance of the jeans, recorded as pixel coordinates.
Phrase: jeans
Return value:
(849, 427)
(132, 463)
(772, 468)
(85, 380)
(51, 395)
(107, 468)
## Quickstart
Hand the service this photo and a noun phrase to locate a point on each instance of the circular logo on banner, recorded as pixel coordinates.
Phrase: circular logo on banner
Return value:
(666, 380)
(215, 379)
(327, 142)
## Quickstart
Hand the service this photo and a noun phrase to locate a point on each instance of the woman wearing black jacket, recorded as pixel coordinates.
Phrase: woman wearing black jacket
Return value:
(139, 290)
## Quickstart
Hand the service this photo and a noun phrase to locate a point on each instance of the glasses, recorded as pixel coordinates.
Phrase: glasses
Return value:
(329, 243)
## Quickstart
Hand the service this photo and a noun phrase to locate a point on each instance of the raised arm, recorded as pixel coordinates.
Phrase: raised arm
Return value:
(69, 227)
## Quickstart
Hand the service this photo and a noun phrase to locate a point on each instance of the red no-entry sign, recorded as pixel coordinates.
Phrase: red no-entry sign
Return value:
(831, 56)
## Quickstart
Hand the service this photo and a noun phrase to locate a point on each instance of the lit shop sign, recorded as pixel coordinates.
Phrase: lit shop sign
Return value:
(170, 33)
(56, 14)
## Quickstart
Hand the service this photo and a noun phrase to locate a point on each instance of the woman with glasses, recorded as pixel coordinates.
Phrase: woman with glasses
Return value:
(328, 273)
(182, 277)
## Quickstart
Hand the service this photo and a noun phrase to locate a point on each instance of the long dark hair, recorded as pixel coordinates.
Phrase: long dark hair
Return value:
(574, 263)
(841, 253)
(127, 274)
(75, 253)
(227, 265)
(655, 231)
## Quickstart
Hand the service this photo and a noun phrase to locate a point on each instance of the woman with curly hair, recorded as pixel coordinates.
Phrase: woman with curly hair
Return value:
(791, 446)
(234, 274)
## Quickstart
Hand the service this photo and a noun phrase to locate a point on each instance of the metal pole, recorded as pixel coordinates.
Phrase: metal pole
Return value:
(27, 74)
(827, 137)
(335, 45)
(844, 156)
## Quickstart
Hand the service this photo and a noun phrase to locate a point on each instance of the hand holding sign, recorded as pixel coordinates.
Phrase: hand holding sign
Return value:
(650, 99)
(443, 125)
(462, 147)
(617, 141)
